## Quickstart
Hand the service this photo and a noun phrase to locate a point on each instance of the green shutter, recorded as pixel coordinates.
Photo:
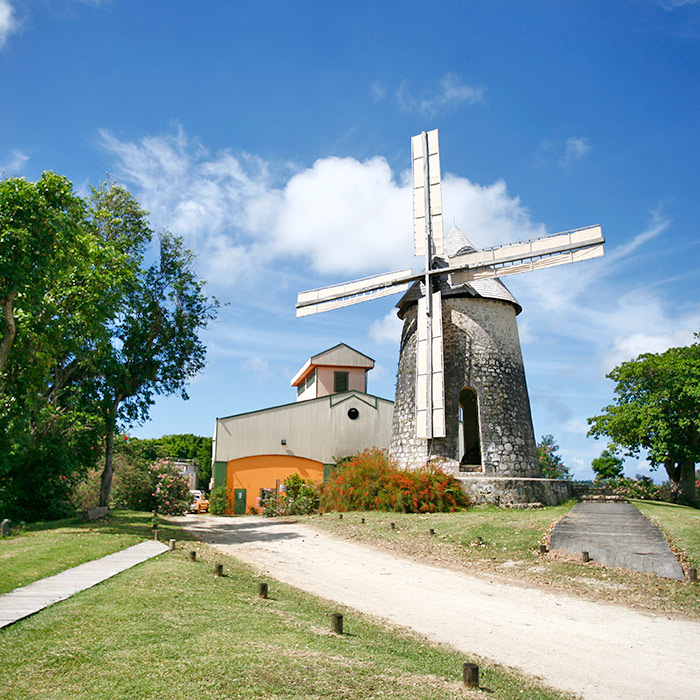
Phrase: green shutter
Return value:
(340, 382)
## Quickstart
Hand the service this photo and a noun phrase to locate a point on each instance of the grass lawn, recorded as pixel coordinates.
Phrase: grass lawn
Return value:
(505, 543)
(680, 524)
(43, 549)
(168, 628)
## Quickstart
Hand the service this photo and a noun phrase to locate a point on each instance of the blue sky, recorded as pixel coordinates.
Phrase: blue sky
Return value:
(275, 138)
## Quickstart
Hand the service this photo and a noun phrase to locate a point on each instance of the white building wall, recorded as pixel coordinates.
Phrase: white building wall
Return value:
(317, 429)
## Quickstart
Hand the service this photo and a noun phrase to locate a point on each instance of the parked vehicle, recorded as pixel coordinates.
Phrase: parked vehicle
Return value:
(199, 503)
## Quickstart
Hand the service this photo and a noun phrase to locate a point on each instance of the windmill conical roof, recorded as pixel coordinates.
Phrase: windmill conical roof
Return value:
(457, 243)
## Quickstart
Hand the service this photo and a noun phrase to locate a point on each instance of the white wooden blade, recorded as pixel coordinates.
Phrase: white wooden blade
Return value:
(349, 301)
(534, 248)
(353, 292)
(570, 256)
(425, 158)
(430, 384)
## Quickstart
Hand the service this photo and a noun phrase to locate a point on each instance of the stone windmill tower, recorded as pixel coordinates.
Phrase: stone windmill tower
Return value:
(488, 426)
(461, 396)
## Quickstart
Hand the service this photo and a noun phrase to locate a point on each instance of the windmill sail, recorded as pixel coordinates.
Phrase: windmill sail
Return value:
(336, 296)
(524, 256)
(430, 384)
(427, 193)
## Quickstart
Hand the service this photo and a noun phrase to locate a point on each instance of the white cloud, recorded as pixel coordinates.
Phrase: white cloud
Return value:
(387, 330)
(15, 164)
(669, 5)
(257, 365)
(549, 152)
(377, 91)
(8, 21)
(344, 216)
(575, 148)
(451, 91)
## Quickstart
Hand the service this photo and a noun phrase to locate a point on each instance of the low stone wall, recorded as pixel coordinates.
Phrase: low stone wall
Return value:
(94, 513)
(503, 491)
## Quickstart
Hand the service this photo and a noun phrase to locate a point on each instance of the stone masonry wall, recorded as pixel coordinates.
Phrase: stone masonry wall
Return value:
(482, 351)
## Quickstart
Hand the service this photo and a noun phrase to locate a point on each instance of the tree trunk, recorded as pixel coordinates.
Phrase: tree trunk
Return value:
(8, 336)
(681, 476)
(108, 471)
(686, 485)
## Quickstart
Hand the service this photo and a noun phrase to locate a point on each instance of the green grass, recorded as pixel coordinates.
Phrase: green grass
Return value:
(168, 628)
(680, 524)
(505, 543)
(43, 549)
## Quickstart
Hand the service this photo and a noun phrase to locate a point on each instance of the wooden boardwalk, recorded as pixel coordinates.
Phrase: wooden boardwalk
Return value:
(36, 596)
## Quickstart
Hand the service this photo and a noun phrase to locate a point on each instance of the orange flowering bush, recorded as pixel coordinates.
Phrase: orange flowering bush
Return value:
(368, 481)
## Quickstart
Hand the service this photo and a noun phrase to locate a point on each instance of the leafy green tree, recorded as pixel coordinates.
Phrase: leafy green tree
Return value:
(657, 411)
(89, 334)
(57, 282)
(551, 463)
(182, 446)
(155, 347)
(609, 465)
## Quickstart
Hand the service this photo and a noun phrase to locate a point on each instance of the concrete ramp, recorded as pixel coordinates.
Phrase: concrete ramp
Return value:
(616, 534)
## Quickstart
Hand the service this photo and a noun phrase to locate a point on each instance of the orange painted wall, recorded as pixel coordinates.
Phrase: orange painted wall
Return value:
(262, 472)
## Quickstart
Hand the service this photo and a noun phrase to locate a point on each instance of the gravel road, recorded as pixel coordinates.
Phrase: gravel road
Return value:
(601, 651)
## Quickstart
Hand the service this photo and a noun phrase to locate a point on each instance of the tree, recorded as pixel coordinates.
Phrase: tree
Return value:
(609, 465)
(56, 290)
(551, 463)
(657, 410)
(155, 348)
(89, 334)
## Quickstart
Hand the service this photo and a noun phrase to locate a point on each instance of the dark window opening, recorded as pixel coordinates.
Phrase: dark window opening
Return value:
(469, 408)
(341, 382)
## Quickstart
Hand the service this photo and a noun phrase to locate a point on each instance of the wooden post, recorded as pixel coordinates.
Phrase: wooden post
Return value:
(337, 623)
(172, 545)
(5, 527)
(543, 549)
(155, 534)
(219, 570)
(693, 575)
(470, 675)
(432, 531)
(262, 590)
(585, 556)
(193, 555)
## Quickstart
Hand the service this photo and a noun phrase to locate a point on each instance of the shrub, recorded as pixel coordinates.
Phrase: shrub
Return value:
(133, 485)
(219, 500)
(171, 491)
(299, 497)
(641, 487)
(551, 463)
(368, 481)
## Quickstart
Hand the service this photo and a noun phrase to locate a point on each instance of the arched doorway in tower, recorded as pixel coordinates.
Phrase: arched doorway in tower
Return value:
(470, 446)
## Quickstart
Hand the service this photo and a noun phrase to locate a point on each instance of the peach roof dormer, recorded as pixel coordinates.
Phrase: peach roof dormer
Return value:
(319, 374)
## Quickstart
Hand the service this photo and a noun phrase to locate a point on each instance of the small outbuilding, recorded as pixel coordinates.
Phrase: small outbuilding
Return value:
(333, 417)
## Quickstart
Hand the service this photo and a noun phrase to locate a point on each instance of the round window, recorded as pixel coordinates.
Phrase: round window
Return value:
(353, 413)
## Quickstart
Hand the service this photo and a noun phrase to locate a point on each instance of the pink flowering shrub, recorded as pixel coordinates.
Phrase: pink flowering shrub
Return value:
(171, 493)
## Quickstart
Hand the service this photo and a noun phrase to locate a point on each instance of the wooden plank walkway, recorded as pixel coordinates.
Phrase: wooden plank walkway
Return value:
(36, 596)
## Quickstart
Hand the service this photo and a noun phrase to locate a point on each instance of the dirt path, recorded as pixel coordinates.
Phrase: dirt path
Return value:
(603, 652)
